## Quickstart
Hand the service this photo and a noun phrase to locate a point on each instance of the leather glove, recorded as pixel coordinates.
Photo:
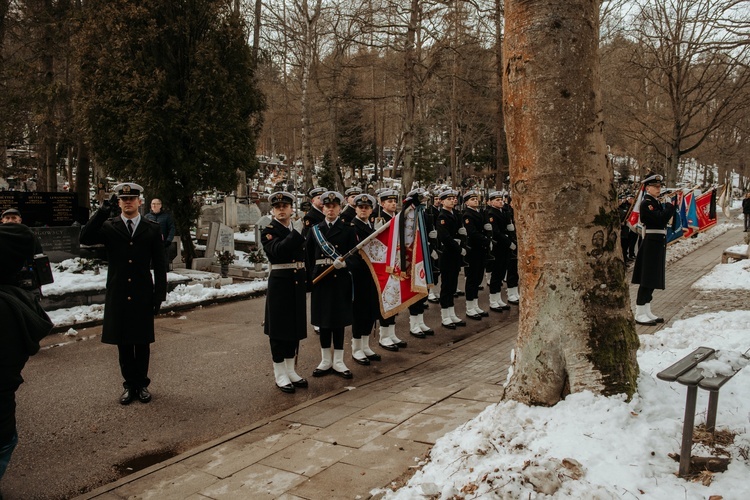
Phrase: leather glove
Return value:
(487, 227)
(432, 235)
(157, 307)
(298, 225)
(512, 246)
(111, 202)
(463, 252)
(510, 227)
(434, 255)
(339, 264)
(462, 231)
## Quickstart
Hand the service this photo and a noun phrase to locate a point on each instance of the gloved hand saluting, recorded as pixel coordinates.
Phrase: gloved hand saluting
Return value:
(111, 202)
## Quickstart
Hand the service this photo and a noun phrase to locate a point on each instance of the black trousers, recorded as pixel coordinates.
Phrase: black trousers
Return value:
(134, 360)
(512, 278)
(283, 349)
(474, 274)
(448, 284)
(332, 334)
(645, 294)
(417, 308)
(498, 268)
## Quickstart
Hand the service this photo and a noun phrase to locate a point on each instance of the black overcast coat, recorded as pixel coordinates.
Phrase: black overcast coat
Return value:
(651, 261)
(131, 290)
(286, 297)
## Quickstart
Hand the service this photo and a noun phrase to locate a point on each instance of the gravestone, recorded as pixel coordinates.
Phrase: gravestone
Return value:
(247, 215)
(220, 239)
(59, 243)
(230, 212)
(43, 209)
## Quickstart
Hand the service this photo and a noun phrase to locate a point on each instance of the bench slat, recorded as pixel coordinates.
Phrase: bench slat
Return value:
(687, 363)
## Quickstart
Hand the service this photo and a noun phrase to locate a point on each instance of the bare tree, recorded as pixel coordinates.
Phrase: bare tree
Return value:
(576, 331)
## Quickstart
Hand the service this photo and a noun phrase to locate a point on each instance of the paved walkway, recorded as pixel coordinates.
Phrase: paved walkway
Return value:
(347, 442)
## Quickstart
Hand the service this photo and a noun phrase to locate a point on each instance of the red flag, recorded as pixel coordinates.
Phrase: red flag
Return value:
(398, 288)
(634, 217)
(703, 206)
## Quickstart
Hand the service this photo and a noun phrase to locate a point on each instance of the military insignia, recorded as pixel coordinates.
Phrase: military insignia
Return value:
(307, 222)
(492, 219)
(126, 188)
(269, 237)
(467, 221)
(442, 221)
(650, 207)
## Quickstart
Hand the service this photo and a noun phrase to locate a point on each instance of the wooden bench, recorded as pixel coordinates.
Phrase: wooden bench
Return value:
(727, 254)
(685, 372)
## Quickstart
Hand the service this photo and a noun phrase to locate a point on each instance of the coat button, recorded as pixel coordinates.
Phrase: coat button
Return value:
(129, 280)
(130, 261)
(129, 298)
(131, 243)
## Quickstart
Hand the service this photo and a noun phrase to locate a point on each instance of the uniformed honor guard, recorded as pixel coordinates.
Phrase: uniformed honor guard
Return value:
(331, 297)
(286, 305)
(478, 244)
(315, 215)
(388, 339)
(349, 212)
(650, 263)
(430, 218)
(510, 229)
(501, 248)
(417, 326)
(134, 245)
(448, 225)
(366, 300)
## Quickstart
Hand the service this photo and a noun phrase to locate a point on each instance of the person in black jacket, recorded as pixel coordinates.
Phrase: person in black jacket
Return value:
(134, 245)
(650, 263)
(166, 223)
(286, 298)
(366, 301)
(479, 243)
(349, 212)
(501, 248)
(331, 297)
(746, 211)
(315, 215)
(448, 224)
(24, 324)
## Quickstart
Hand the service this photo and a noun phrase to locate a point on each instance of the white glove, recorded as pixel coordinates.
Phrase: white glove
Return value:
(298, 225)
(488, 227)
(339, 264)
(512, 246)
(490, 246)
(510, 227)
(463, 252)
(462, 231)
(432, 235)
(457, 241)
(378, 223)
(434, 255)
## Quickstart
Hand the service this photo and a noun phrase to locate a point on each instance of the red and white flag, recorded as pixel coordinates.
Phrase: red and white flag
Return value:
(398, 286)
(634, 217)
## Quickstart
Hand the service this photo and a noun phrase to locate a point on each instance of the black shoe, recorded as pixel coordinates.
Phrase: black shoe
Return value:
(481, 287)
(127, 397)
(401, 344)
(646, 323)
(419, 335)
(374, 357)
(484, 314)
(143, 395)
(449, 326)
(514, 302)
(659, 320)
(321, 373)
(434, 301)
(300, 383)
(288, 388)
(344, 374)
(460, 322)
(365, 361)
(474, 316)
(460, 293)
(429, 332)
(392, 347)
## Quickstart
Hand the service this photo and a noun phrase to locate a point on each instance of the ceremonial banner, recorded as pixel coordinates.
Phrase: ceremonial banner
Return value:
(689, 214)
(675, 229)
(396, 260)
(705, 206)
(634, 217)
(724, 201)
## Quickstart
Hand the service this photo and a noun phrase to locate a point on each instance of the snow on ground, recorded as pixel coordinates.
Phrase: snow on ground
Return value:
(590, 446)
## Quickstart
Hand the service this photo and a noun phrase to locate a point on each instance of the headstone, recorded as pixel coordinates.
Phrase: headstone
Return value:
(220, 238)
(59, 243)
(211, 213)
(230, 212)
(247, 215)
(42, 209)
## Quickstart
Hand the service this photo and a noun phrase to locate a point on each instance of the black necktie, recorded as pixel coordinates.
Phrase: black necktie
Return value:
(130, 227)
(330, 225)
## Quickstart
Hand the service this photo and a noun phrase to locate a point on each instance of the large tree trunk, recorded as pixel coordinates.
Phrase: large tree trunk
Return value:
(410, 63)
(576, 331)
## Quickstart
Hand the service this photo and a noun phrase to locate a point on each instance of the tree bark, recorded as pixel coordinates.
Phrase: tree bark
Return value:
(576, 330)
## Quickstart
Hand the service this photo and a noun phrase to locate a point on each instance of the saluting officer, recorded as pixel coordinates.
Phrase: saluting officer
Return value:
(331, 297)
(314, 216)
(448, 224)
(366, 300)
(388, 339)
(650, 263)
(286, 306)
(478, 242)
(349, 212)
(134, 245)
(501, 248)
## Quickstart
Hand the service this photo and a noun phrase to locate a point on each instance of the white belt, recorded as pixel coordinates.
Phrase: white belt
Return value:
(324, 262)
(656, 231)
(291, 265)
